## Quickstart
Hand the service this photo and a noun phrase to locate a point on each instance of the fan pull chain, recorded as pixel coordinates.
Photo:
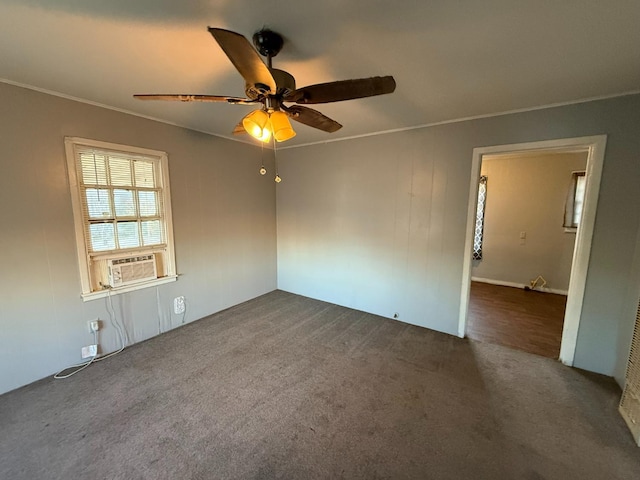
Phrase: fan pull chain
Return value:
(263, 170)
(275, 161)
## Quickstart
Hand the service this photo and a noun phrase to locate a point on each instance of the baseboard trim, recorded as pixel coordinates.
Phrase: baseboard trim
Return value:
(517, 285)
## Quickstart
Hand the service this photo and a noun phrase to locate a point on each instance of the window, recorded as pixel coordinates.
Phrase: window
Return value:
(575, 201)
(122, 209)
(479, 230)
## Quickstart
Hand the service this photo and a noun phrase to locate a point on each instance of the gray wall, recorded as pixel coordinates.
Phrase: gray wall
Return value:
(528, 194)
(375, 223)
(378, 223)
(224, 227)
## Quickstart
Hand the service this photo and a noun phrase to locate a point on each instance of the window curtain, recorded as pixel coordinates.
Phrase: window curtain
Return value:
(479, 231)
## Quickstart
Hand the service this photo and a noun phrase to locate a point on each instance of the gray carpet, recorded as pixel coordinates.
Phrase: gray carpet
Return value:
(288, 387)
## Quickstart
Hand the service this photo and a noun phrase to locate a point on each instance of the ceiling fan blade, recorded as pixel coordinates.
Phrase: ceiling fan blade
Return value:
(312, 118)
(239, 129)
(195, 98)
(245, 59)
(343, 90)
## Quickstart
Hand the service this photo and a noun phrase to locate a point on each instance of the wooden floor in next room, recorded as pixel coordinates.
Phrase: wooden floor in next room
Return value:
(525, 320)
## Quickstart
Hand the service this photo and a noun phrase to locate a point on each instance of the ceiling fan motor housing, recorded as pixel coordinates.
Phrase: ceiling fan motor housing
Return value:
(285, 84)
(284, 81)
(268, 43)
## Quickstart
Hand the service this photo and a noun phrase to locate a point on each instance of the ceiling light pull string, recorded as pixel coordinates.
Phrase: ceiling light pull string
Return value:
(275, 161)
(263, 170)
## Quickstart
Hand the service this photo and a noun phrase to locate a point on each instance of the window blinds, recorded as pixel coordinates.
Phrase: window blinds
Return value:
(121, 199)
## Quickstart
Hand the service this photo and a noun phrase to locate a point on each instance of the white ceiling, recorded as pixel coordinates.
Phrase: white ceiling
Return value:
(451, 59)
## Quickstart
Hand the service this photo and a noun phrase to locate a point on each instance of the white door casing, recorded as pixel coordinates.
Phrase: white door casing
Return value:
(595, 146)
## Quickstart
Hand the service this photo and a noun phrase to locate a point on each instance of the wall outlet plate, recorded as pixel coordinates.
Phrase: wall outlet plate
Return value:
(90, 351)
(94, 325)
(178, 305)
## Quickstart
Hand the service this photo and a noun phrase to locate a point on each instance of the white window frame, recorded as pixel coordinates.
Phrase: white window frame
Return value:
(85, 257)
(569, 212)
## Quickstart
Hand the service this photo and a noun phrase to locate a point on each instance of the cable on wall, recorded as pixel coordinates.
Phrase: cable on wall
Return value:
(159, 310)
(184, 313)
(80, 366)
(121, 334)
(116, 325)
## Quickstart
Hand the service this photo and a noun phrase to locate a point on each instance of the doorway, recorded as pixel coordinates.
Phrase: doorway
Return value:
(594, 146)
(523, 248)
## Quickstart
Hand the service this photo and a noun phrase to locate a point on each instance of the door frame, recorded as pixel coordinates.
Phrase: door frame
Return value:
(595, 146)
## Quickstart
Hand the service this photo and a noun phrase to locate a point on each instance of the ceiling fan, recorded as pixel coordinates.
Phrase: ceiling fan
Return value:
(272, 88)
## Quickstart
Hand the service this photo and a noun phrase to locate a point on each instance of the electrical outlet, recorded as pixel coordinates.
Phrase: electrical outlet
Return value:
(94, 325)
(90, 351)
(178, 305)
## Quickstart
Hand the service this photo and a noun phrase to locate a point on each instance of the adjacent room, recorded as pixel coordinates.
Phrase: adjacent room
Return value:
(529, 208)
(340, 240)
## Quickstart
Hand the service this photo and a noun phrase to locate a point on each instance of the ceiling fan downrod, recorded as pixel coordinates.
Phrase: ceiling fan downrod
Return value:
(268, 43)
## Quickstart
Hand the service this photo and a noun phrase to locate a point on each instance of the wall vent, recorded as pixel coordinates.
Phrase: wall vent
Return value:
(630, 402)
(129, 270)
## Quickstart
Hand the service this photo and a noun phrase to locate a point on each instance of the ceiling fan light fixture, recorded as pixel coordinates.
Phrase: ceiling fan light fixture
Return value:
(281, 127)
(273, 87)
(257, 125)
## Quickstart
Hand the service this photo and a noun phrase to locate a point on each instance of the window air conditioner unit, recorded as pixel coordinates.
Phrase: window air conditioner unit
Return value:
(128, 270)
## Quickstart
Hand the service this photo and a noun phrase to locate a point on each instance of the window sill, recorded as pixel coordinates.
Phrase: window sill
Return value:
(86, 297)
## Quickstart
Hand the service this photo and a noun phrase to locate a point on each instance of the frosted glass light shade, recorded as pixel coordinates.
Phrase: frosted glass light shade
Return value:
(257, 125)
(281, 126)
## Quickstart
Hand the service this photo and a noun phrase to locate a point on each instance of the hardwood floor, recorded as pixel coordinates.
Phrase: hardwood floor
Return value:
(526, 320)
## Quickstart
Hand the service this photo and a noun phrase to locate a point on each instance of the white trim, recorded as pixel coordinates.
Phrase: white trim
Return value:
(81, 246)
(320, 142)
(121, 110)
(114, 146)
(582, 250)
(521, 286)
(84, 258)
(468, 244)
(467, 119)
(170, 255)
(595, 145)
(86, 297)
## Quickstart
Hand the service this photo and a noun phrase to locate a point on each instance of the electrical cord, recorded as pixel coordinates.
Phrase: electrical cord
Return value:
(159, 310)
(184, 313)
(80, 366)
(112, 319)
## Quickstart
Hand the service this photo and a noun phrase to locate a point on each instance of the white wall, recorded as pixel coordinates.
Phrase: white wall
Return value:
(378, 223)
(224, 227)
(528, 194)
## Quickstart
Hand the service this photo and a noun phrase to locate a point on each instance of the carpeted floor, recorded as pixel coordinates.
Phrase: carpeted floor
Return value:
(288, 387)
